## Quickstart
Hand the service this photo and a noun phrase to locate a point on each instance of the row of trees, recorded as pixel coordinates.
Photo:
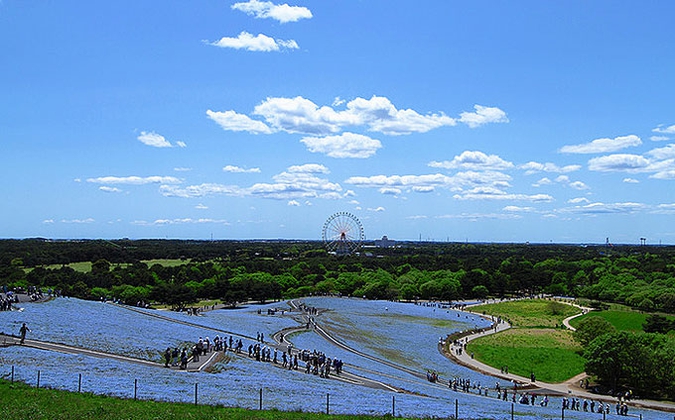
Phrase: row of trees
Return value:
(642, 277)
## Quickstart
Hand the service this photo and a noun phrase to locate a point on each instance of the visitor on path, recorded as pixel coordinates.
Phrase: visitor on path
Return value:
(22, 331)
(167, 357)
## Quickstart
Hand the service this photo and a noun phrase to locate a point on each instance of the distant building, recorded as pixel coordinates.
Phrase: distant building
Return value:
(385, 242)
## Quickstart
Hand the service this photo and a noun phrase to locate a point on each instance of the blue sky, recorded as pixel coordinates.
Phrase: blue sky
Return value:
(443, 120)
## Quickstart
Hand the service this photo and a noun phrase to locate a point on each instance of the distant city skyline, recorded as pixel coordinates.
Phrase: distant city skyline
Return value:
(540, 122)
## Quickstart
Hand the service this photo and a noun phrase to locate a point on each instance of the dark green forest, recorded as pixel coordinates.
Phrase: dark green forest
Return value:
(642, 277)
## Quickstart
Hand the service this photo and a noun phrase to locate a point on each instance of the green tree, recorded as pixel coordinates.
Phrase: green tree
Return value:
(658, 324)
(480, 292)
(591, 328)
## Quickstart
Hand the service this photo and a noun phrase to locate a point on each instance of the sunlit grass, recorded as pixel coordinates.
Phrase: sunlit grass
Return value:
(551, 354)
(529, 313)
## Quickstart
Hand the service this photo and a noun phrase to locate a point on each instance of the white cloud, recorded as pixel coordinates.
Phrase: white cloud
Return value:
(376, 209)
(659, 138)
(578, 185)
(606, 208)
(237, 169)
(181, 144)
(105, 188)
(296, 183)
(390, 191)
(423, 188)
(182, 169)
(48, 221)
(665, 130)
(201, 190)
(153, 139)
(378, 114)
(543, 181)
(300, 115)
(517, 209)
(345, 145)
(578, 200)
(293, 203)
(134, 180)
(268, 10)
(232, 121)
(309, 168)
(604, 145)
(79, 221)
(474, 160)
(618, 162)
(382, 116)
(201, 206)
(183, 221)
(667, 174)
(665, 209)
(663, 153)
(631, 181)
(474, 217)
(427, 183)
(534, 167)
(258, 43)
(492, 193)
(483, 115)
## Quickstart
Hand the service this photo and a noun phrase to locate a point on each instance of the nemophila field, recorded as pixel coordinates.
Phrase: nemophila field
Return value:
(404, 333)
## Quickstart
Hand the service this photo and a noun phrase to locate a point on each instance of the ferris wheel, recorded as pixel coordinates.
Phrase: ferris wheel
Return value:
(342, 233)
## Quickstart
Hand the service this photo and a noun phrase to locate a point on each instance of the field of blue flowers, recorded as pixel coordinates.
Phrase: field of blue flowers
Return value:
(403, 334)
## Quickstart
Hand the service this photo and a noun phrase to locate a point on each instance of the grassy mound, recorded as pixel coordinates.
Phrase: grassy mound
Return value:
(536, 343)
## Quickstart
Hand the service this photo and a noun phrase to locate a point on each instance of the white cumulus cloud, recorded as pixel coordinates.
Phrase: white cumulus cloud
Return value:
(534, 167)
(345, 145)
(308, 168)
(237, 169)
(665, 130)
(604, 145)
(377, 114)
(134, 180)
(258, 43)
(268, 10)
(150, 138)
(483, 115)
(618, 162)
(108, 189)
(474, 160)
(232, 121)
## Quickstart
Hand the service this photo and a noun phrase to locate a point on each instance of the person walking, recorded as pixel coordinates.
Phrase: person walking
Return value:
(22, 331)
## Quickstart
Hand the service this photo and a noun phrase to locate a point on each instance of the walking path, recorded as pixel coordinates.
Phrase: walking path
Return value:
(570, 388)
(9, 340)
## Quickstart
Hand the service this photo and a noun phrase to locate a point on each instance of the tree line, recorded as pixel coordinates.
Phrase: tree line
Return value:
(640, 277)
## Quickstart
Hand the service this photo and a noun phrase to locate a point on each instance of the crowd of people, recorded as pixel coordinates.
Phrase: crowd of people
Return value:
(315, 362)
(7, 301)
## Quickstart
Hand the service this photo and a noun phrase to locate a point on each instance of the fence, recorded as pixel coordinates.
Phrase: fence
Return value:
(261, 398)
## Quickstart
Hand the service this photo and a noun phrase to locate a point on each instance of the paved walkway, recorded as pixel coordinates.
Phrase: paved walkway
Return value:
(570, 387)
(9, 340)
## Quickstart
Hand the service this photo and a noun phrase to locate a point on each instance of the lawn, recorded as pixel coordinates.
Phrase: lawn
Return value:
(535, 343)
(551, 354)
(622, 320)
(85, 266)
(21, 402)
(529, 313)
